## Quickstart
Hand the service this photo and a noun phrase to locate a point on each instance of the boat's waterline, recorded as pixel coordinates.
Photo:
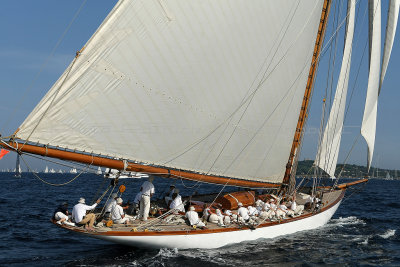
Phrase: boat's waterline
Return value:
(220, 239)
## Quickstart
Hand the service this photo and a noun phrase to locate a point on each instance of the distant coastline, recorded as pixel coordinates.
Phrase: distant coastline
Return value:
(350, 171)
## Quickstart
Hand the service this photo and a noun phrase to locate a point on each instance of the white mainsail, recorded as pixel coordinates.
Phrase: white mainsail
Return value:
(393, 15)
(207, 86)
(368, 127)
(328, 150)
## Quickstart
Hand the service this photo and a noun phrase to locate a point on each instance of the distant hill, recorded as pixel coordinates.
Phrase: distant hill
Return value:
(350, 170)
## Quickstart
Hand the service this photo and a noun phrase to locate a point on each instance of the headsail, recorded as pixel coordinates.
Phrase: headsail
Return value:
(206, 86)
(328, 150)
(391, 26)
(368, 127)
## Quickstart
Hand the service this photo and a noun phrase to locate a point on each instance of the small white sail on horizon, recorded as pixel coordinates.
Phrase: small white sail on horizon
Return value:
(328, 150)
(99, 172)
(46, 170)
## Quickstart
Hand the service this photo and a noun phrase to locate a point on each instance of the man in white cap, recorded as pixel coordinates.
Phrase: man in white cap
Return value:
(79, 214)
(117, 213)
(147, 191)
(193, 218)
(111, 202)
(243, 213)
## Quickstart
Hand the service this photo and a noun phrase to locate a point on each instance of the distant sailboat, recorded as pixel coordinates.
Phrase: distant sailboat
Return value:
(18, 171)
(73, 171)
(99, 172)
(46, 170)
(52, 171)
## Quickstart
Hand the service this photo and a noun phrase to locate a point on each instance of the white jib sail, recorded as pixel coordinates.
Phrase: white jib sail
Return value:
(368, 126)
(391, 26)
(328, 150)
(210, 86)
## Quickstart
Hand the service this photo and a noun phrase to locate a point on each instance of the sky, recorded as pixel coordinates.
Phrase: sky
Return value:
(32, 60)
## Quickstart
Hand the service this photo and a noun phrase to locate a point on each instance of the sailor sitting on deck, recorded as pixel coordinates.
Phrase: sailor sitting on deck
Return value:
(117, 213)
(252, 211)
(283, 211)
(217, 218)
(177, 203)
(168, 198)
(193, 218)
(297, 209)
(259, 205)
(79, 211)
(227, 216)
(61, 214)
(243, 214)
(136, 203)
(111, 203)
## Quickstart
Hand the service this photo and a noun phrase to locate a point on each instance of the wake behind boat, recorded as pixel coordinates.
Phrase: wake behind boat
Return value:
(213, 92)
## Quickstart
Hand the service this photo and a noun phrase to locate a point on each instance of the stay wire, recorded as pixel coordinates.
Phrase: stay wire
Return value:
(14, 112)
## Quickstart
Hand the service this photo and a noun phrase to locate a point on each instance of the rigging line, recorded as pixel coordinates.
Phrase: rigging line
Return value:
(322, 123)
(262, 81)
(267, 118)
(330, 91)
(254, 92)
(287, 23)
(62, 164)
(52, 101)
(359, 65)
(347, 157)
(353, 88)
(48, 183)
(43, 66)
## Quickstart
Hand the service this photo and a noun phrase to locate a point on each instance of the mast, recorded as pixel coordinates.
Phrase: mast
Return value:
(120, 164)
(307, 94)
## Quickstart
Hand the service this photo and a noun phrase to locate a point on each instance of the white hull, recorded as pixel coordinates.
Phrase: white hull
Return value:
(215, 240)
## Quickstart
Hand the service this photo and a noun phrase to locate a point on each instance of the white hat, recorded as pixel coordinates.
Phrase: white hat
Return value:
(228, 212)
(82, 200)
(119, 200)
(191, 208)
(240, 204)
(271, 200)
(114, 195)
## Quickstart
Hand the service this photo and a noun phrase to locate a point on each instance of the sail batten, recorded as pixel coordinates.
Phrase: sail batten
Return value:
(328, 151)
(186, 85)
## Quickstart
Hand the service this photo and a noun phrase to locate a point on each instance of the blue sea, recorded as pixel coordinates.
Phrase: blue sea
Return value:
(364, 231)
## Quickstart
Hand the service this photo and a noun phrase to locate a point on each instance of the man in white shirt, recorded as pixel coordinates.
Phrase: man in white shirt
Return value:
(243, 213)
(79, 215)
(147, 191)
(117, 213)
(193, 218)
(111, 202)
(177, 202)
(168, 197)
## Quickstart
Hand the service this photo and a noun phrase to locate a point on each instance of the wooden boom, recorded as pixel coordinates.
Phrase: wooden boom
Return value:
(119, 164)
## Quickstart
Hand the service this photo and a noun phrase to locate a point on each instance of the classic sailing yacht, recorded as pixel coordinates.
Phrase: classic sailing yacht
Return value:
(209, 91)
